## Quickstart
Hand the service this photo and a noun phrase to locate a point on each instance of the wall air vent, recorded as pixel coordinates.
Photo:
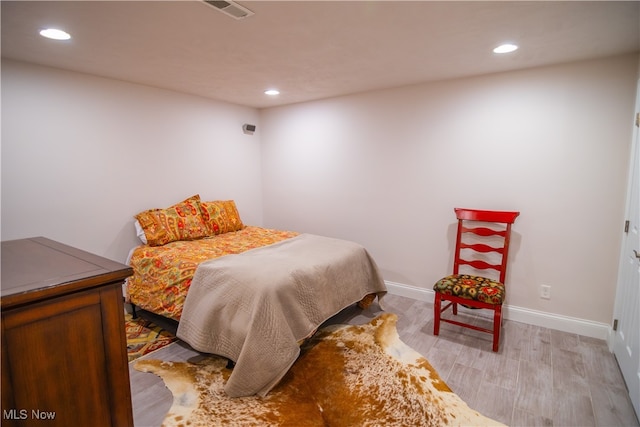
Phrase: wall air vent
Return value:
(230, 8)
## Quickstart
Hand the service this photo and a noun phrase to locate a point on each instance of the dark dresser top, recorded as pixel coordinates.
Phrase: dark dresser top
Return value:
(38, 268)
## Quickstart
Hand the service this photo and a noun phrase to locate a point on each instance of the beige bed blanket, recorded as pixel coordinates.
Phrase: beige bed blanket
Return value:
(254, 307)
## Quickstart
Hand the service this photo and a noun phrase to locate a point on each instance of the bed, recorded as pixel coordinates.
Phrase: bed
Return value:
(247, 293)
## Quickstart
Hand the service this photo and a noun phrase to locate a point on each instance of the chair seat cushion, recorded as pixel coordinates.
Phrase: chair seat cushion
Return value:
(475, 288)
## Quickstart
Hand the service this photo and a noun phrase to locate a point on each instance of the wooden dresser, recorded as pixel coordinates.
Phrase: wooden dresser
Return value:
(64, 356)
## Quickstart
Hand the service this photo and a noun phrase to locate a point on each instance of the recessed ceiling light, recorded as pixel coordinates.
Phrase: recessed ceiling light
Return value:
(272, 92)
(55, 34)
(505, 48)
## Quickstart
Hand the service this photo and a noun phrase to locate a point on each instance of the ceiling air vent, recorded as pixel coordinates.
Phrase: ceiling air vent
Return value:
(230, 8)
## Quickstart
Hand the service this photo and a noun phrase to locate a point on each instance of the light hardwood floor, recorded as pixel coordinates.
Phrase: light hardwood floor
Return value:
(540, 377)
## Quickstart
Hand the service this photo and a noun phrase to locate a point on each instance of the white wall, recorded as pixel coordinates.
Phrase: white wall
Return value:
(81, 155)
(386, 169)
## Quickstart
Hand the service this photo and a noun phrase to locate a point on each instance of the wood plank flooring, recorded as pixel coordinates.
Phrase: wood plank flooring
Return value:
(540, 377)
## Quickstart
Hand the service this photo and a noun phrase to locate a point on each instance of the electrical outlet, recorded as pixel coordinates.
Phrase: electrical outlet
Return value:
(545, 291)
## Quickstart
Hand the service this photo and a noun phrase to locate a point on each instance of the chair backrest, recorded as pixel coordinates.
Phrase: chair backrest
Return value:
(492, 227)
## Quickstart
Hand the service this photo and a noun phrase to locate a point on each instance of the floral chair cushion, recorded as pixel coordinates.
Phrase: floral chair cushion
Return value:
(475, 288)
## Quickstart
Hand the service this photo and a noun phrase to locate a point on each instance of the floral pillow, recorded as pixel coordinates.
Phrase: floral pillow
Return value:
(222, 216)
(182, 221)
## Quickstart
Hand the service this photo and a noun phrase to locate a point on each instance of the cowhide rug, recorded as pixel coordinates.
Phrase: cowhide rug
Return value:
(345, 376)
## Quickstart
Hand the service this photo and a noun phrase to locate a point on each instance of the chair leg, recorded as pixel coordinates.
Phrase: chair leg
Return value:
(436, 314)
(497, 324)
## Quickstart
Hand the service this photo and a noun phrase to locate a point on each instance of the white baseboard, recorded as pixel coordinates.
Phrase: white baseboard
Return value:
(558, 322)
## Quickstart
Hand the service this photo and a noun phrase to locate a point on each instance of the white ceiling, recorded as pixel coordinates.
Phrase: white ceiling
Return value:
(311, 50)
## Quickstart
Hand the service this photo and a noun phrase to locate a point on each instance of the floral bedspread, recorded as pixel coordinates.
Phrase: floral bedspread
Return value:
(162, 274)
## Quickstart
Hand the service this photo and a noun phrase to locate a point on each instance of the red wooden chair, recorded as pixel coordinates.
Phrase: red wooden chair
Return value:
(480, 233)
